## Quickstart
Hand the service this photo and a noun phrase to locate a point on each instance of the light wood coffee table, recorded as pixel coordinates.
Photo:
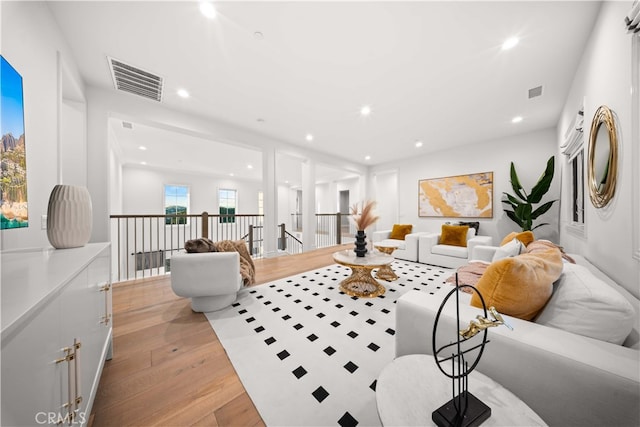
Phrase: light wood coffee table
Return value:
(411, 387)
(361, 283)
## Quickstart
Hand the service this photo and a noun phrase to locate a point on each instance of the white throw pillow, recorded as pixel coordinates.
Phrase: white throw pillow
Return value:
(583, 304)
(511, 249)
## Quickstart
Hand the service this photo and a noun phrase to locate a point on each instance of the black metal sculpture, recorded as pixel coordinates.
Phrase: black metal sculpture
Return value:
(464, 409)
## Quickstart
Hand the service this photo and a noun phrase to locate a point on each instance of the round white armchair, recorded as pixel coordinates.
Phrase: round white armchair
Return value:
(211, 279)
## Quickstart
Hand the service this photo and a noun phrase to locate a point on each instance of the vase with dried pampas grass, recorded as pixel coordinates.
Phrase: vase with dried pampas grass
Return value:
(362, 216)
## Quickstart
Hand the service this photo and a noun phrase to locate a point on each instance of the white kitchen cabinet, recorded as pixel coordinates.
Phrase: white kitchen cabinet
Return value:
(56, 333)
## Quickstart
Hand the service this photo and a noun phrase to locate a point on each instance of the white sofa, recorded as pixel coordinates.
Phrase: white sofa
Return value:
(568, 379)
(211, 279)
(430, 251)
(407, 248)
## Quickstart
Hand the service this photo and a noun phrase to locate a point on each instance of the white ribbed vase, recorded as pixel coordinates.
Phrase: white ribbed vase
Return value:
(69, 216)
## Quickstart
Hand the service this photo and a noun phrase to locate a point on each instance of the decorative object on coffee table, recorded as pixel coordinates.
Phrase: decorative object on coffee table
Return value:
(361, 283)
(69, 216)
(464, 409)
(386, 272)
(363, 217)
(360, 243)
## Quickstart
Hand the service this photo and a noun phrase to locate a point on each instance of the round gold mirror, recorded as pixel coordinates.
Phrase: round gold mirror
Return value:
(603, 157)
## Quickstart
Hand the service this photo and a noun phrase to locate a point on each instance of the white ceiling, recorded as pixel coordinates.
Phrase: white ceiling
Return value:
(431, 71)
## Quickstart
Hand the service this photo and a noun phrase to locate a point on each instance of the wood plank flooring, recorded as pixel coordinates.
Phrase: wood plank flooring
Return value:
(168, 367)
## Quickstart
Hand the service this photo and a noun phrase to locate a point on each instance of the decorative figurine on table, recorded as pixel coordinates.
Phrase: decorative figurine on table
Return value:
(464, 409)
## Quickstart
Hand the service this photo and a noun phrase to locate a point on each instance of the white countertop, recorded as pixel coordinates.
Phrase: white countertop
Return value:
(30, 278)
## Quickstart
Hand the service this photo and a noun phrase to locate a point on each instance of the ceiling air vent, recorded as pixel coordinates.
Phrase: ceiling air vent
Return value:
(134, 80)
(127, 125)
(534, 92)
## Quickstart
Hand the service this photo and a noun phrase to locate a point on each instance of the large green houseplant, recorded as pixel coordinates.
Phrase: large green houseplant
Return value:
(521, 204)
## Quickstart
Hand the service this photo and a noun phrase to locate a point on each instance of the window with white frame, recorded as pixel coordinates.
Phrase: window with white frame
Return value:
(227, 202)
(573, 149)
(176, 203)
(577, 188)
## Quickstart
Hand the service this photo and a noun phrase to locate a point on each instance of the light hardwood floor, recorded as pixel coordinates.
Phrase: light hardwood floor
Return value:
(168, 367)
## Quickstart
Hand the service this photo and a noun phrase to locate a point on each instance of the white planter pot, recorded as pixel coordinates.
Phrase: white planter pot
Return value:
(69, 216)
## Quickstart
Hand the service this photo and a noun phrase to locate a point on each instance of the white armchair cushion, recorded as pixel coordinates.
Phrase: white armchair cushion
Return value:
(585, 305)
(431, 252)
(448, 250)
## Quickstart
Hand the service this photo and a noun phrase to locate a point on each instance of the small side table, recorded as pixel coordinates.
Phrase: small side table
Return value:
(361, 283)
(411, 387)
(386, 272)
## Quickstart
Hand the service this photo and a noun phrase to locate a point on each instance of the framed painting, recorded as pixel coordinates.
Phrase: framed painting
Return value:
(461, 196)
(13, 180)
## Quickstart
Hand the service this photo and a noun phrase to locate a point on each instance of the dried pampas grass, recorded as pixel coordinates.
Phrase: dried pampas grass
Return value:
(364, 217)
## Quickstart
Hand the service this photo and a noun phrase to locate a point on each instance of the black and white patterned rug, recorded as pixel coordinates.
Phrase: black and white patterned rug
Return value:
(308, 354)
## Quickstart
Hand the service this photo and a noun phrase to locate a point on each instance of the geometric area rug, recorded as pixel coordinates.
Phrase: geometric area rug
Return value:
(310, 355)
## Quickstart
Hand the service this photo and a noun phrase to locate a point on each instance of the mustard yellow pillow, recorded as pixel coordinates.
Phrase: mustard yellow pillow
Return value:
(399, 231)
(520, 286)
(454, 235)
(525, 237)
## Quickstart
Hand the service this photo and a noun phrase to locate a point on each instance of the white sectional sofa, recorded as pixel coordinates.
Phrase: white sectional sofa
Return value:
(567, 378)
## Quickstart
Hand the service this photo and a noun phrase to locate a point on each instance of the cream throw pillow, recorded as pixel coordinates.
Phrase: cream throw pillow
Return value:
(513, 248)
(585, 305)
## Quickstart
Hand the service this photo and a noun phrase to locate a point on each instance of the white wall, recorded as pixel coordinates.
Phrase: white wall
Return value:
(529, 152)
(31, 42)
(604, 78)
(385, 191)
(143, 191)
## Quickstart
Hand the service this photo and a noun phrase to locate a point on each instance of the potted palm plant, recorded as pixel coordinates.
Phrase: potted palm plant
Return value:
(520, 206)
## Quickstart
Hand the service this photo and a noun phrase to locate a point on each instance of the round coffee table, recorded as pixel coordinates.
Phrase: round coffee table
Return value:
(386, 272)
(411, 387)
(361, 283)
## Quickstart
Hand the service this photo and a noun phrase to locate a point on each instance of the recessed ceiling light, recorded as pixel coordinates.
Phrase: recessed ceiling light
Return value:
(365, 110)
(207, 9)
(418, 144)
(309, 137)
(258, 35)
(516, 119)
(231, 174)
(510, 43)
(260, 120)
(249, 166)
(183, 93)
(143, 163)
(367, 157)
(142, 147)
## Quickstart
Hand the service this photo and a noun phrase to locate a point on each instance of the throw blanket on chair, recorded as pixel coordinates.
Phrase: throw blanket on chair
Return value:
(247, 269)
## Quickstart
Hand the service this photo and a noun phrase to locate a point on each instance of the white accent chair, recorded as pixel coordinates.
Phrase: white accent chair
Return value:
(430, 251)
(211, 279)
(407, 248)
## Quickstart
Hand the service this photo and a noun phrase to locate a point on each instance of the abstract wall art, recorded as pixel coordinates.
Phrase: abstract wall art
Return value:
(461, 196)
